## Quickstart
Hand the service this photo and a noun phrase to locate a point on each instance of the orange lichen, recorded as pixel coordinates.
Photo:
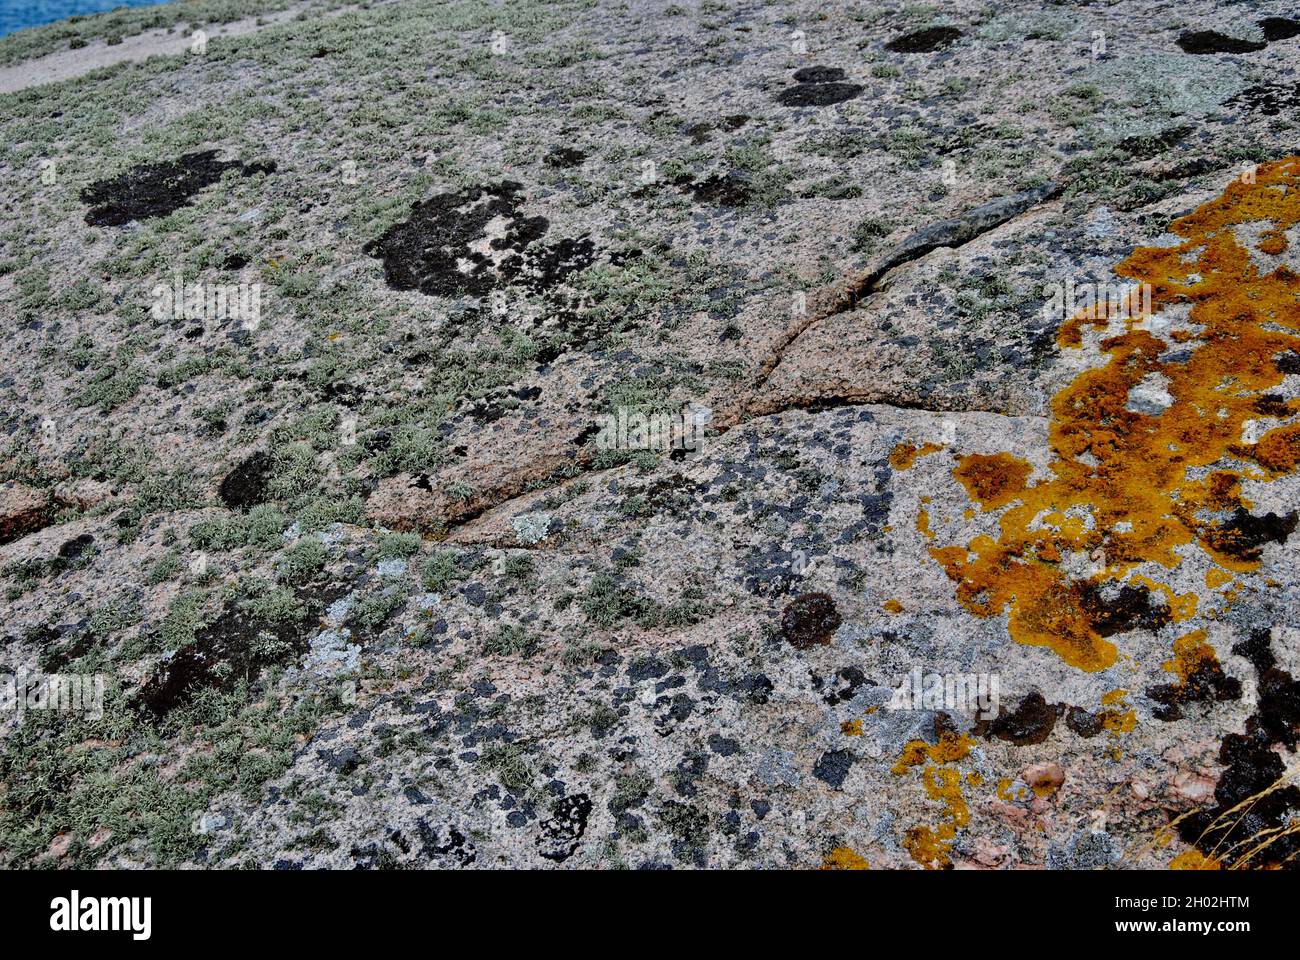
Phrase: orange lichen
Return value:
(851, 728)
(1194, 860)
(1117, 721)
(1216, 577)
(923, 524)
(950, 748)
(892, 606)
(1279, 450)
(1113, 697)
(904, 455)
(845, 858)
(1191, 654)
(992, 481)
(1143, 486)
(930, 846)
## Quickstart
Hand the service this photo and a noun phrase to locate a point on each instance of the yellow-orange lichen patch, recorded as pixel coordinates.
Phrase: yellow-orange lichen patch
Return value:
(927, 845)
(1216, 577)
(851, 728)
(992, 481)
(1191, 654)
(1194, 860)
(845, 858)
(1005, 793)
(1150, 483)
(892, 606)
(1113, 697)
(903, 456)
(1279, 450)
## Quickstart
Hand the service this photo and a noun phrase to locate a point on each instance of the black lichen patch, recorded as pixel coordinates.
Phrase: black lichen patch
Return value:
(1244, 535)
(75, 553)
(549, 265)
(157, 189)
(1250, 814)
(1288, 362)
(233, 649)
(562, 833)
(703, 132)
(562, 157)
(1146, 146)
(1083, 722)
(246, 485)
(471, 242)
(1111, 611)
(1211, 41)
(1207, 683)
(841, 688)
(924, 41)
(809, 620)
(833, 767)
(1271, 405)
(1031, 722)
(1279, 28)
(442, 843)
(818, 74)
(59, 646)
(723, 190)
(818, 94)
(1269, 99)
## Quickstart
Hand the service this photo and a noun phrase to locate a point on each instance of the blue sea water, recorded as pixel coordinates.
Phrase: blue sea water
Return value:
(16, 14)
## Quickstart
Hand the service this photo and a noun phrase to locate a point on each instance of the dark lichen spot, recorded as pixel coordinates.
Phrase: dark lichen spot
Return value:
(75, 552)
(1207, 683)
(818, 94)
(562, 157)
(1258, 650)
(699, 132)
(833, 766)
(809, 620)
(246, 485)
(439, 843)
(818, 74)
(1279, 28)
(1269, 99)
(547, 266)
(445, 249)
(843, 687)
(561, 834)
(233, 649)
(1211, 41)
(726, 190)
(1083, 722)
(924, 41)
(1288, 362)
(1249, 801)
(723, 746)
(1244, 535)
(1150, 145)
(157, 189)
(1111, 610)
(1031, 722)
(1271, 405)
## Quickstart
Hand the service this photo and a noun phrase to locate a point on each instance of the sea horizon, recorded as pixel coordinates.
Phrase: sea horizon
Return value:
(18, 15)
